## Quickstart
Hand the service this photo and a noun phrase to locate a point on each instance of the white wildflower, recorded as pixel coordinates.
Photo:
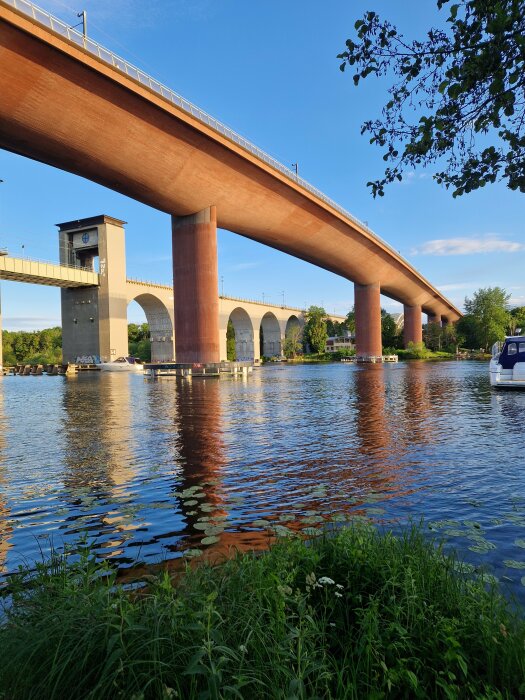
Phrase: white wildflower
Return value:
(243, 649)
(325, 580)
(337, 594)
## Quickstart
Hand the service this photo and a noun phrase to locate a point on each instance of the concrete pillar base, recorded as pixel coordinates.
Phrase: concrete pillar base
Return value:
(434, 318)
(1, 354)
(412, 325)
(368, 320)
(195, 287)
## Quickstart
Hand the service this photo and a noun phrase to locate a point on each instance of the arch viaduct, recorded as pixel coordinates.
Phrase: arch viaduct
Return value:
(94, 305)
(250, 320)
(71, 103)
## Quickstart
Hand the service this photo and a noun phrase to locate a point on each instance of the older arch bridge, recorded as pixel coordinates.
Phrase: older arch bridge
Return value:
(71, 103)
(94, 304)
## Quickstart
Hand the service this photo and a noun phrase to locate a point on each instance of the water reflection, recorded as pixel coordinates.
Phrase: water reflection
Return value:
(5, 527)
(151, 470)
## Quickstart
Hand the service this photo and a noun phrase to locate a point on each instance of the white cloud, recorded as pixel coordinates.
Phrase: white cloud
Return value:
(490, 243)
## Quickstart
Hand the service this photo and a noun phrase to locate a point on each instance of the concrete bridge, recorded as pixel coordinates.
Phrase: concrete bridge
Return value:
(94, 304)
(71, 103)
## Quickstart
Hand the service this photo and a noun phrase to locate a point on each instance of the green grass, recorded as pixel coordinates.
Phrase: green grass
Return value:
(391, 619)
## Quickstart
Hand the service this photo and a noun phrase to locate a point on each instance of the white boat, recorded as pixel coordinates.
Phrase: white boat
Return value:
(507, 366)
(122, 364)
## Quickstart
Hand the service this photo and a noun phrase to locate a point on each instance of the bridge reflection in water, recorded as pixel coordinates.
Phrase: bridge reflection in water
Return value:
(151, 470)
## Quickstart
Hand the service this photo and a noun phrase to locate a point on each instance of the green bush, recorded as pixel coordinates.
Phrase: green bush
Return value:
(359, 614)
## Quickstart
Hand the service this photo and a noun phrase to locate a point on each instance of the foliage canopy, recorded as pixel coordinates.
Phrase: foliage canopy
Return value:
(315, 333)
(458, 95)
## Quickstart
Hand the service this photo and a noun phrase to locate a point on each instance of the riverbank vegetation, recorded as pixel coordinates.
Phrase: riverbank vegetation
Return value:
(358, 614)
(32, 347)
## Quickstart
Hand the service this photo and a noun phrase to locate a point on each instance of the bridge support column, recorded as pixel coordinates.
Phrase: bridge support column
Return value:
(368, 320)
(1, 352)
(412, 325)
(434, 318)
(196, 286)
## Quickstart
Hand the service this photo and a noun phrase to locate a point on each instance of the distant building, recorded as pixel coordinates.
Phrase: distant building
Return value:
(341, 342)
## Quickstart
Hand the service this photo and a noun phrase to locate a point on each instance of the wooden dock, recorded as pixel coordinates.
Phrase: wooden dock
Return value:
(53, 370)
(196, 369)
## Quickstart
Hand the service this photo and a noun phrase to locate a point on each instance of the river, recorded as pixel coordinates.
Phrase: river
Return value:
(159, 470)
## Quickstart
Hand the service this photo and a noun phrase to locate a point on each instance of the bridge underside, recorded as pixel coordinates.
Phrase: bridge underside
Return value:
(66, 107)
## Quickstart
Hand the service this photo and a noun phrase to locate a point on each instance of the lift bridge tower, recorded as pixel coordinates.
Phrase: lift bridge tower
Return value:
(94, 319)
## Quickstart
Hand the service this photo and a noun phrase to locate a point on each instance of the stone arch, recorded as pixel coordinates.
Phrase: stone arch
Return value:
(292, 321)
(160, 326)
(270, 335)
(244, 336)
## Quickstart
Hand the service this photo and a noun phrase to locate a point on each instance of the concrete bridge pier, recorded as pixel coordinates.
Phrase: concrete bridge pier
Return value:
(434, 318)
(196, 286)
(1, 352)
(412, 325)
(367, 299)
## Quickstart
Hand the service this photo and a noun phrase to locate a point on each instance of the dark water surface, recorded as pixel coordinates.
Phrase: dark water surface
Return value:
(161, 470)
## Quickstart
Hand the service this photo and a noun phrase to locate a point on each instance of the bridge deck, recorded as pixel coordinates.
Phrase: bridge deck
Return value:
(50, 274)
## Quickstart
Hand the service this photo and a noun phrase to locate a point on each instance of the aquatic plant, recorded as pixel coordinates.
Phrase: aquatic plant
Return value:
(356, 613)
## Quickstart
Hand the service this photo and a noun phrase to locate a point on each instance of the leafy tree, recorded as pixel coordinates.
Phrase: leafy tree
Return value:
(315, 333)
(389, 335)
(139, 344)
(32, 347)
(350, 321)
(490, 318)
(467, 327)
(293, 341)
(230, 342)
(458, 94)
(137, 333)
(334, 328)
(517, 319)
(451, 337)
(432, 336)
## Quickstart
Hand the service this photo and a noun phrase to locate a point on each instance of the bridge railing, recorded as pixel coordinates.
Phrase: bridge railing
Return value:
(57, 25)
(46, 262)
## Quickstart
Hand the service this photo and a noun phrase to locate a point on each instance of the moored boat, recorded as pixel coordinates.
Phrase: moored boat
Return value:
(507, 365)
(122, 364)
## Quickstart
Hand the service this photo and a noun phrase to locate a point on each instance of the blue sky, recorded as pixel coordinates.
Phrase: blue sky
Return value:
(269, 70)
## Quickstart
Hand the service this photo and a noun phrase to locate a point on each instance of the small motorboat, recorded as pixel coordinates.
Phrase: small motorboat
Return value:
(507, 365)
(122, 364)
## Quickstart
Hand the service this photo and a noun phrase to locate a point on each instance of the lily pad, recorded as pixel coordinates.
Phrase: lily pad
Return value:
(312, 531)
(282, 531)
(520, 543)
(482, 546)
(192, 553)
(201, 526)
(213, 530)
(261, 523)
(284, 518)
(212, 539)
(454, 533)
(472, 523)
(339, 518)
(312, 519)
(523, 580)
(193, 502)
(439, 524)
(375, 511)
(513, 564)
(207, 508)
